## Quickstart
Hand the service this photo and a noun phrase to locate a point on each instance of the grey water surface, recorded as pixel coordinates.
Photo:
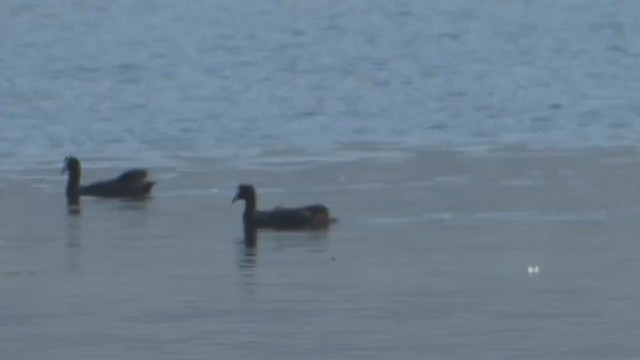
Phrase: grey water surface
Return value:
(462, 145)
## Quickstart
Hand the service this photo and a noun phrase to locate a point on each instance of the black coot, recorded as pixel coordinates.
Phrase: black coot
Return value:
(316, 216)
(130, 184)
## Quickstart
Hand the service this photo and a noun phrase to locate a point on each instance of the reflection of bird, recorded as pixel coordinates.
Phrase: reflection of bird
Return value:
(250, 236)
(130, 184)
(314, 216)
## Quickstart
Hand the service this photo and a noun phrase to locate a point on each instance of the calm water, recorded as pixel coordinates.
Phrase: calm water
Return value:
(331, 101)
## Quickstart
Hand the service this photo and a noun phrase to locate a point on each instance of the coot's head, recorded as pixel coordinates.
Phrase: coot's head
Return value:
(71, 165)
(245, 192)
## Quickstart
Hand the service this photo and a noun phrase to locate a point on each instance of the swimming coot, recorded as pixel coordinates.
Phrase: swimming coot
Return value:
(316, 216)
(130, 184)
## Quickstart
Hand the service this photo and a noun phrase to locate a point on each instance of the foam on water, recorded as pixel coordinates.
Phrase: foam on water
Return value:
(497, 217)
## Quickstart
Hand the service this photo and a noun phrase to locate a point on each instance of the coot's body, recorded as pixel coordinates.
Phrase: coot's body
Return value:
(130, 184)
(316, 216)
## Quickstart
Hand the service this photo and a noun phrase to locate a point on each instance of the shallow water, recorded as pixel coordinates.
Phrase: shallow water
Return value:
(411, 119)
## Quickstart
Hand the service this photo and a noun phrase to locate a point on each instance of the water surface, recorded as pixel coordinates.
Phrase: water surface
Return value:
(413, 120)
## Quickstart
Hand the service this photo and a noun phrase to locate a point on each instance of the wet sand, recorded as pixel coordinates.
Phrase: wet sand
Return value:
(429, 260)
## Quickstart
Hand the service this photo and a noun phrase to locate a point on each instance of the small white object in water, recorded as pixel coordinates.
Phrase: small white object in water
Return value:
(533, 269)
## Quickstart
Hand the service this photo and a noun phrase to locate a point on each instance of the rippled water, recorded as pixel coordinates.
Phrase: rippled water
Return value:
(151, 78)
(330, 101)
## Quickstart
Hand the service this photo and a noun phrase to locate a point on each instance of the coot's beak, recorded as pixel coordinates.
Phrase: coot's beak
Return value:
(236, 198)
(64, 169)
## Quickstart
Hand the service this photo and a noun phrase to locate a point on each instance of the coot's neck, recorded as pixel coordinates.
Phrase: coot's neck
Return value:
(73, 186)
(250, 204)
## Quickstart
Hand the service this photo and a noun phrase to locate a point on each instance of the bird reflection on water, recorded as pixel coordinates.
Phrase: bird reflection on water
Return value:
(73, 208)
(248, 259)
(311, 240)
(74, 238)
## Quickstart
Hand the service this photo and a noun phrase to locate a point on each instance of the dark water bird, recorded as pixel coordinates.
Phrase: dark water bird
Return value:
(316, 216)
(131, 184)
